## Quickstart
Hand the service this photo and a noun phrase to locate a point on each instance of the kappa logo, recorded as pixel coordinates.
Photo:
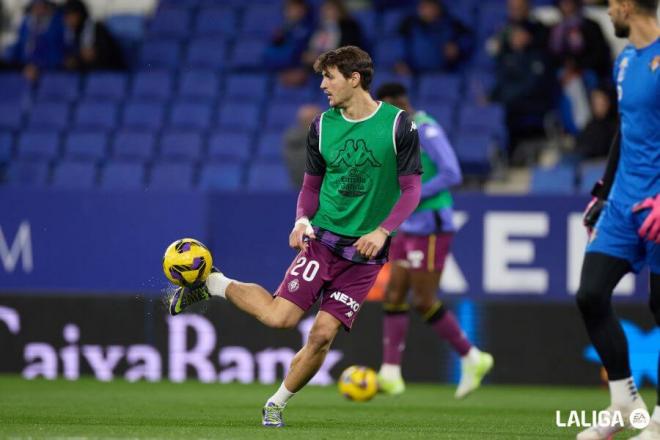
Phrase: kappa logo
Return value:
(355, 153)
(293, 285)
(343, 298)
(655, 63)
(413, 126)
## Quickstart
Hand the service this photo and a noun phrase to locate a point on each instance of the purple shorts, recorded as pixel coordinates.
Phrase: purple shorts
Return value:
(341, 284)
(421, 252)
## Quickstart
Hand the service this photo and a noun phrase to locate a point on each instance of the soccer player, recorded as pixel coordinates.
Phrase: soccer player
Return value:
(418, 255)
(623, 219)
(362, 180)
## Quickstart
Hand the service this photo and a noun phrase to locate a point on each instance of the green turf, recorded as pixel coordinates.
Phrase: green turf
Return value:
(88, 408)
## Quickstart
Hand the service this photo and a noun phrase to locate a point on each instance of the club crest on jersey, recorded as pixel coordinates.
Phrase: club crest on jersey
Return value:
(293, 285)
(655, 63)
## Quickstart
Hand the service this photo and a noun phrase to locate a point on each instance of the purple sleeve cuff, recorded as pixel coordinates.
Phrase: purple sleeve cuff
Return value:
(411, 188)
(308, 199)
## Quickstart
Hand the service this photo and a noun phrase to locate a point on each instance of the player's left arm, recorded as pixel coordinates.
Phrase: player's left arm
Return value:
(438, 148)
(650, 229)
(409, 171)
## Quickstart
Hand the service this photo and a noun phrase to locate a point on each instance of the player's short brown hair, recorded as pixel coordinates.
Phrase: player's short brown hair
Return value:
(347, 59)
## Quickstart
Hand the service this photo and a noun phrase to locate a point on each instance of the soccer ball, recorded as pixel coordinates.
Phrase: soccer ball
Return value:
(187, 262)
(358, 383)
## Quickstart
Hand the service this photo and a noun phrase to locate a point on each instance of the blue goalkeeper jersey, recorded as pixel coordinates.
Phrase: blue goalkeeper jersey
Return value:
(637, 76)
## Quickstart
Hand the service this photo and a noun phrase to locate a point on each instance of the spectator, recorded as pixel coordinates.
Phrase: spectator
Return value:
(336, 28)
(518, 16)
(523, 87)
(89, 45)
(40, 42)
(289, 43)
(596, 138)
(433, 39)
(295, 142)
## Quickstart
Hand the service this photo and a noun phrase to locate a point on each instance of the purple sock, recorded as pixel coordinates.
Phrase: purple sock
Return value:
(395, 329)
(447, 328)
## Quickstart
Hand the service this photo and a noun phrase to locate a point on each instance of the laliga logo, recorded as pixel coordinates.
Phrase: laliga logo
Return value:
(638, 419)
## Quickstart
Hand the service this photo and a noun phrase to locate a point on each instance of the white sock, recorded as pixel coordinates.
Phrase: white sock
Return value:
(390, 371)
(472, 356)
(217, 284)
(656, 414)
(623, 392)
(282, 396)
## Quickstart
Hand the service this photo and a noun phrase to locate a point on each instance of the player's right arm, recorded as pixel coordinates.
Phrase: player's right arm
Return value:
(308, 198)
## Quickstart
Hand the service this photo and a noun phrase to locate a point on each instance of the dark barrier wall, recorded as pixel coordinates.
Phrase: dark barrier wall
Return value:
(132, 338)
(102, 242)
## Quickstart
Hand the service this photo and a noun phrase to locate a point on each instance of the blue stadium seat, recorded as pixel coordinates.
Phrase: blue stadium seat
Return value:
(134, 145)
(239, 116)
(13, 87)
(171, 176)
(368, 21)
(443, 114)
(234, 147)
(388, 52)
(189, 4)
(280, 116)
(269, 147)
(106, 86)
(590, 173)
(557, 180)
(74, 175)
(6, 147)
(181, 146)
(473, 152)
(152, 85)
(221, 176)
(38, 145)
(491, 18)
(483, 119)
(190, 116)
(216, 21)
(445, 87)
(268, 177)
(96, 115)
(49, 116)
(381, 78)
(299, 95)
(170, 22)
(160, 54)
(207, 53)
(247, 87)
(392, 20)
(58, 87)
(122, 175)
(261, 20)
(11, 116)
(86, 145)
(27, 174)
(248, 54)
(143, 115)
(202, 85)
(478, 85)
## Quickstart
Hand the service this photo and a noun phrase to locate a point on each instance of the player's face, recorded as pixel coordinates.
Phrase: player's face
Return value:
(618, 11)
(337, 88)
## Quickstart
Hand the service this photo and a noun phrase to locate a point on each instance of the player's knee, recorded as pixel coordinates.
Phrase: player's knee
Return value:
(423, 304)
(591, 300)
(319, 340)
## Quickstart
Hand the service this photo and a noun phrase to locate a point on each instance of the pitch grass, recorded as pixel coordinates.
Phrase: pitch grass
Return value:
(91, 409)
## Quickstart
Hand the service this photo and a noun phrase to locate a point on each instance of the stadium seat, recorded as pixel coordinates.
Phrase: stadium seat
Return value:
(216, 21)
(49, 116)
(207, 53)
(221, 177)
(269, 177)
(391, 21)
(13, 87)
(247, 87)
(6, 147)
(86, 145)
(279, 116)
(202, 85)
(27, 174)
(37, 145)
(478, 85)
(171, 176)
(473, 152)
(491, 17)
(189, 4)
(590, 173)
(181, 146)
(122, 175)
(483, 119)
(11, 116)
(134, 145)
(269, 146)
(160, 54)
(170, 22)
(233, 147)
(261, 20)
(444, 87)
(388, 52)
(152, 85)
(442, 113)
(142, 115)
(556, 180)
(190, 116)
(368, 21)
(74, 175)
(96, 115)
(248, 54)
(106, 86)
(381, 78)
(58, 87)
(239, 116)
(298, 95)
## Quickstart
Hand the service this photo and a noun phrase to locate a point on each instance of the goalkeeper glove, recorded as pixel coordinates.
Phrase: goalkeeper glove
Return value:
(594, 208)
(650, 229)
